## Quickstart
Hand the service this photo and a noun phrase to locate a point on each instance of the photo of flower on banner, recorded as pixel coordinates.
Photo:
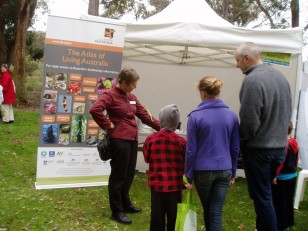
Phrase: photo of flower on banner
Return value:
(105, 84)
(50, 101)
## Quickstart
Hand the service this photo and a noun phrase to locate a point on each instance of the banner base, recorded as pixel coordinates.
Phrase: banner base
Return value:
(79, 185)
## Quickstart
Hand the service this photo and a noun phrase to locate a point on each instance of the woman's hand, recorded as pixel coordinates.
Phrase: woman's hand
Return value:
(111, 125)
(186, 183)
(232, 180)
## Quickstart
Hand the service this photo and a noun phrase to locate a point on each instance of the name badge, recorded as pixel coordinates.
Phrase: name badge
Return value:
(132, 102)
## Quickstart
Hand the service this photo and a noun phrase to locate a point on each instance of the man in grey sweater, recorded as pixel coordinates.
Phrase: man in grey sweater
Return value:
(265, 113)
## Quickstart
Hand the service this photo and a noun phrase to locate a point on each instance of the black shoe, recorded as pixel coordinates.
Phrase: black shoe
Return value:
(4, 122)
(121, 217)
(11, 121)
(132, 209)
(286, 229)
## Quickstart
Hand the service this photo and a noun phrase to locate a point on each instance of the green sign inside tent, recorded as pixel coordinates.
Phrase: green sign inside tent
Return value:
(282, 59)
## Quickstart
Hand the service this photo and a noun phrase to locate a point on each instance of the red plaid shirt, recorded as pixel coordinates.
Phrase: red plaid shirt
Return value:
(165, 153)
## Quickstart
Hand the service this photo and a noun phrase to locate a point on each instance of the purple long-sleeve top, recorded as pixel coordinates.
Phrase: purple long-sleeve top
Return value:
(213, 141)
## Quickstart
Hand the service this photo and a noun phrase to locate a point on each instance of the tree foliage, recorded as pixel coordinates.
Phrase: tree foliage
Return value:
(35, 45)
(8, 29)
(116, 9)
(139, 9)
(16, 17)
(237, 12)
(265, 13)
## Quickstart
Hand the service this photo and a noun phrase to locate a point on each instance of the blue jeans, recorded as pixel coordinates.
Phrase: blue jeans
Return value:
(212, 187)
(260, 167)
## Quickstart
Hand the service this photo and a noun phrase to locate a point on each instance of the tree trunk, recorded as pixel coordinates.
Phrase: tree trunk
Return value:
(266, 12)
(24, 14)
(3, 47)
(225, 10)
(295, 13)
(93, 7)
(10, 54)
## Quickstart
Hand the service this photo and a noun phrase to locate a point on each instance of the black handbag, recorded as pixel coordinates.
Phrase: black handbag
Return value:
(103, 146)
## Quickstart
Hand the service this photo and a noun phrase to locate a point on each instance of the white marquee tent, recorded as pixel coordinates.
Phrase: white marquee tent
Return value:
(186, 41)
(173, 49)
(190, 32)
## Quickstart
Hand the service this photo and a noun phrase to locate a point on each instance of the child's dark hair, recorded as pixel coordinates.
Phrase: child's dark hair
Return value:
(290, 128)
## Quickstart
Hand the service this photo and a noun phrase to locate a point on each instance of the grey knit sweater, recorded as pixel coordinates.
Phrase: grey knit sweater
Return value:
(266, 107)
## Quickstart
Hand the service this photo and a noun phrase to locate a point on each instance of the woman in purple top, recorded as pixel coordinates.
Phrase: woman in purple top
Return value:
(212, 150)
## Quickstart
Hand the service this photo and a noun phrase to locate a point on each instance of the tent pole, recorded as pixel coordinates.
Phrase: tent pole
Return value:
(185, 54)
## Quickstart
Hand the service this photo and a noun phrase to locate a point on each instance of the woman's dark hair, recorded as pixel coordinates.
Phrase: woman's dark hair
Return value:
(128, 75)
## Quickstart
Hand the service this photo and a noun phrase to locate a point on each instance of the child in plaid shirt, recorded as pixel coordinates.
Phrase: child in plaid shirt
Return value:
(165, 153)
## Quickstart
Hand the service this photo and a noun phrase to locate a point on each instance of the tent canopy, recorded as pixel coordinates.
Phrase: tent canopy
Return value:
(190, 32)
(173, 49)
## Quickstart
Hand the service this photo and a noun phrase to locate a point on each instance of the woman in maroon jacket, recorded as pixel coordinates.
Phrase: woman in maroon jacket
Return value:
(8, 95)
(122, 107)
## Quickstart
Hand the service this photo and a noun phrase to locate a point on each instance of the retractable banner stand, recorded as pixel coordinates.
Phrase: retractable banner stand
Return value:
(82, 59)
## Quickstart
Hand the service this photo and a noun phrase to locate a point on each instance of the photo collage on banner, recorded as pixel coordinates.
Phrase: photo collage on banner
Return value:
(82, 60)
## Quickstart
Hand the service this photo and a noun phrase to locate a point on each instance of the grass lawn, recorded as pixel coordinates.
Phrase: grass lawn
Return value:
(22, 207)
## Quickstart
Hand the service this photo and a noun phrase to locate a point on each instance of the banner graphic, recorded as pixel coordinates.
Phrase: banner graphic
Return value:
(82, 59)
(282, 59)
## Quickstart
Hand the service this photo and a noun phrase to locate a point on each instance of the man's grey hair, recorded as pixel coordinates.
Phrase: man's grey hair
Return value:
(250, 49)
